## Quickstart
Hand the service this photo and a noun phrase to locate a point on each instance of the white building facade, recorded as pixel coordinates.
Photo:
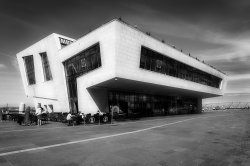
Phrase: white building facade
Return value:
(116, 65)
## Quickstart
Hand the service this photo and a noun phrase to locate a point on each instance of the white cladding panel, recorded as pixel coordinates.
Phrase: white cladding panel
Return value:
(120, 48)
(45, 92)
(106, 37)
(128, 51)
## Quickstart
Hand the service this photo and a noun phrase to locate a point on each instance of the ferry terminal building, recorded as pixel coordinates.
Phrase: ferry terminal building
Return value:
(116, 65)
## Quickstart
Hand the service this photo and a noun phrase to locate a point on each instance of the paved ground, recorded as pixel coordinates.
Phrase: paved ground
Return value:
(219, 138)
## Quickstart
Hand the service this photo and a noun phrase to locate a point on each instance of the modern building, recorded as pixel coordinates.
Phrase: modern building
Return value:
(116, 65)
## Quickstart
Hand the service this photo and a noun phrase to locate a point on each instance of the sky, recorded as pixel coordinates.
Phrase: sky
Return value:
(216, 31)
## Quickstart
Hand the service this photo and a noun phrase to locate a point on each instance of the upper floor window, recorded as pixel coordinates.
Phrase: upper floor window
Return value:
(46, 67)
(84, 61)
(154, 61)
(30, 70)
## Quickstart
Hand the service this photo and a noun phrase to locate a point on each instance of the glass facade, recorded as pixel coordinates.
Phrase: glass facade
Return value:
(78, 65)
(46, 67)
(83, 62)
(154, 61)
(30, 70)
(151, 105)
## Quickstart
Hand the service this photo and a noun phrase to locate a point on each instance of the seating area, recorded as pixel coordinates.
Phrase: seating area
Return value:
(31, 119)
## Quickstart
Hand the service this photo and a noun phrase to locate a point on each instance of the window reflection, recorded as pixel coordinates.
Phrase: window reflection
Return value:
(83, 62)
(157, 62)
(46, 67)
(151, 105)
(30, 70)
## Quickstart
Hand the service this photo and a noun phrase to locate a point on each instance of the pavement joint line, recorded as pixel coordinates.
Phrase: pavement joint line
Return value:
(102, 137)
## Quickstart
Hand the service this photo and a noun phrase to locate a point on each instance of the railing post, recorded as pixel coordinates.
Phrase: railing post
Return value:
(111, 121)
(99, 118)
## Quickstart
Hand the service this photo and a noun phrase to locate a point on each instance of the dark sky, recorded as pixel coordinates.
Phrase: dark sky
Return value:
(217, 31)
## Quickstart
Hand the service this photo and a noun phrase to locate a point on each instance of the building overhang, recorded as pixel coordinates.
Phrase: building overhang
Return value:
(122, 84)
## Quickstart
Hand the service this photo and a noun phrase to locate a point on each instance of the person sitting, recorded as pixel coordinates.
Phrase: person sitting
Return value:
(83, 117)
(69, 119)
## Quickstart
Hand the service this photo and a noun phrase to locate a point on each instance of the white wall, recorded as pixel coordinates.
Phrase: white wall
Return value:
(46, 92)
(120, 54)
(128, 50)
(120, 47)
(105, 35)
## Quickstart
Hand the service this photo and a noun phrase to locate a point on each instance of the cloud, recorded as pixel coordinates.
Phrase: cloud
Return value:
(240, 77)
(227, 52)
(2, 66)
(234, 46)
(9, 60)
(6, 55)
(234, 66)
(238, 84)
(217, 31)
(229, 16)
(14, 63)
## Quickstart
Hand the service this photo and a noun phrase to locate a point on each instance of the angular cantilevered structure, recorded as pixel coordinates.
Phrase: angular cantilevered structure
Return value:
(116, 65)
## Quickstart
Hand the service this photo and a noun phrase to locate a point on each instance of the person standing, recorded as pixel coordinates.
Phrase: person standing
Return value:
(27, 116)
(69, 118)
(1, 116)
(39, 114)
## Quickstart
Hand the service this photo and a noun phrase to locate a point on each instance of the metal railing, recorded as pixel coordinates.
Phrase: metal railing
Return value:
(225, 105)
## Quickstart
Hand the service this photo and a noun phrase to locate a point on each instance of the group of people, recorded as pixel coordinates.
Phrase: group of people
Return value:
(24, 118)
(30, 119)
(71, 118)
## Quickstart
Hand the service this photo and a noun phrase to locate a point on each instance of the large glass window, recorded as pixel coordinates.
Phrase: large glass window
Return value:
(46, 67)
(154, 61)
(83, 62)
(151, 105)
(78, 65)
(30, 70)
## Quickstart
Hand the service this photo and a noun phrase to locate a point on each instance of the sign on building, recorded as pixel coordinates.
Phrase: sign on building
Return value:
(64, 42)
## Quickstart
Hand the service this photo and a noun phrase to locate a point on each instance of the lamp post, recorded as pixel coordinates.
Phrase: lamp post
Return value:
(111, 120)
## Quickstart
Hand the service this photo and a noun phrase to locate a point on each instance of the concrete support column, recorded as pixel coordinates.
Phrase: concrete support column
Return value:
(199, 105)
